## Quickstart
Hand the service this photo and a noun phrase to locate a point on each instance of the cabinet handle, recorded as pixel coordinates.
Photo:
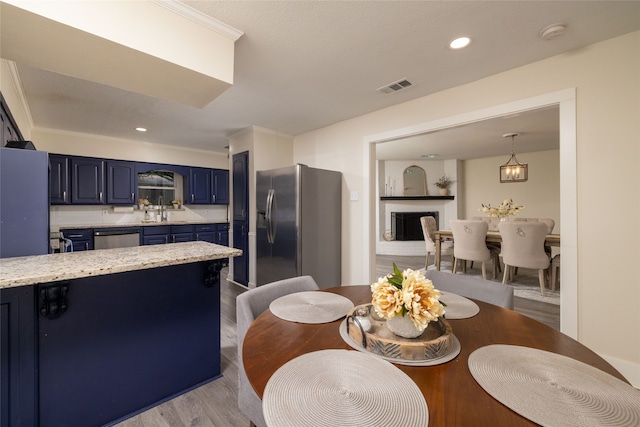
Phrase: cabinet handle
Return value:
(166, 239)
(192, 197)
(132, 197)
(64, 196)
(213, 198)
(86, 246)
(197, 237)
(101, 196)
(174, 238)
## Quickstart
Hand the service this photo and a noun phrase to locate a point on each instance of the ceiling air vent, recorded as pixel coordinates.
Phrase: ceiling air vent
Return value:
(395, 86)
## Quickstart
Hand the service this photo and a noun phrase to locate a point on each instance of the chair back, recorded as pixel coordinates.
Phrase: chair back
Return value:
(428, 229)
(523, 244)
(472, 287)
(548, 221)
(250, 305)
(491, 220)
(469, 237)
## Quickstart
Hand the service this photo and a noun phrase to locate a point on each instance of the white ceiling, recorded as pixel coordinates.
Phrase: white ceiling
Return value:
(302, 65)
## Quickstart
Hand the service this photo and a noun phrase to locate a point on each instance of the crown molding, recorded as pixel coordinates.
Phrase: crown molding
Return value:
(198, 17)
(17, 87)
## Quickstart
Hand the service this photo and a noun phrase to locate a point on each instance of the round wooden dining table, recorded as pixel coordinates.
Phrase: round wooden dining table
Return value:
(453, 396)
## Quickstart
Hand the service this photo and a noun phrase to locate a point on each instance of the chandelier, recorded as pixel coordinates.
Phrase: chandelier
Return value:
(513, 170)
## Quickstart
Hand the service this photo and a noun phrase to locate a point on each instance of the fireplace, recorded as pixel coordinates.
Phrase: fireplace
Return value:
(406, 225)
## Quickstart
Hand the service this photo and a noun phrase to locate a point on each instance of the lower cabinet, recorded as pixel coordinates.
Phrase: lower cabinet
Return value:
(18, 380)
(127, 341)
(81, 238)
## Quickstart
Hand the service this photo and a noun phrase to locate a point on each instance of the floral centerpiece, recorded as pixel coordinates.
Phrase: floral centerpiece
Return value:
(142, 203)
(407, 295)
(507, 208)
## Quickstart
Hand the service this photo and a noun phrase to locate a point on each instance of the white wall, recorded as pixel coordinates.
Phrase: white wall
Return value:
(607, 81)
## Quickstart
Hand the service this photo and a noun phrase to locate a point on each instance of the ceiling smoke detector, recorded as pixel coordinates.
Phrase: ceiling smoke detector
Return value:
(553, 31)
(395, 86)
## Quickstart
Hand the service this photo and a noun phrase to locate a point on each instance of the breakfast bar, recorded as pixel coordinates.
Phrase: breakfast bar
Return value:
(91, 338)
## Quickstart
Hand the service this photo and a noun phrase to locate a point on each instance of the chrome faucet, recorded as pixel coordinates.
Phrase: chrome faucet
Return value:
(163, 217)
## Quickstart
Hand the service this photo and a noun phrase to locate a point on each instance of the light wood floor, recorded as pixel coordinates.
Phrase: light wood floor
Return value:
(216, 404)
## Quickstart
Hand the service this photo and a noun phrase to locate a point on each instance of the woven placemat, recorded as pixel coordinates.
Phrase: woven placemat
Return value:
(554, 390)
(450, 355)
(458, 307)
(342, 388)
(311, 307)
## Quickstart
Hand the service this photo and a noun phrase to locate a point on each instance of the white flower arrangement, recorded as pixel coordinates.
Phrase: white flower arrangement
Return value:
(407, 293)
(507, 208)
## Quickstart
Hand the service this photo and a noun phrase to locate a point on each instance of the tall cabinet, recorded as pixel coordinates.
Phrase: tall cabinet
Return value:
(240, 222)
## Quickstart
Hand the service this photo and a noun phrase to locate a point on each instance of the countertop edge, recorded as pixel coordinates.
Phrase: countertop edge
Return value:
(38, 269)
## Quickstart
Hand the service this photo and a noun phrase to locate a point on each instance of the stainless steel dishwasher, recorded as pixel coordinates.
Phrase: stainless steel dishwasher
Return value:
(109, 239)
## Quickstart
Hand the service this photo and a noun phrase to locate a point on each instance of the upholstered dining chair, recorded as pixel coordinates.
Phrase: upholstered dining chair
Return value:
(469, 244)
(250, 305)
(523, 246)
(555, 267)
(550, 223)
(472, 287)
(428, 229)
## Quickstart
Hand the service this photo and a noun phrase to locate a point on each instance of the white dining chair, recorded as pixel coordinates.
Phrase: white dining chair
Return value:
(446, 247)
(469, 237)
(523, 246)
(555, 267)
(250, 305)
(472, 287)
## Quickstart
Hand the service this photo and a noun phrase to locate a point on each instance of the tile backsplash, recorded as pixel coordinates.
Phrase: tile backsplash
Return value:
(64, 216)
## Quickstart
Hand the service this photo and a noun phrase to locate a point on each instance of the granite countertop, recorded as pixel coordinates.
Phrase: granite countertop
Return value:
(31, 270)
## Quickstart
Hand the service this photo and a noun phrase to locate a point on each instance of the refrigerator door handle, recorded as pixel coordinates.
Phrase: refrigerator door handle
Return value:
(269, 216)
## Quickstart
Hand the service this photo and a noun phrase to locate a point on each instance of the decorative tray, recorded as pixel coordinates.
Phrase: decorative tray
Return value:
(365, 331)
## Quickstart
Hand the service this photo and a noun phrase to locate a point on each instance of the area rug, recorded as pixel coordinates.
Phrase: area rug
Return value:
(525, 285)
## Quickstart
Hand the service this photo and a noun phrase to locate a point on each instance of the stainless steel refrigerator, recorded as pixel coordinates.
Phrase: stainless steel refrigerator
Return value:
(298, 226)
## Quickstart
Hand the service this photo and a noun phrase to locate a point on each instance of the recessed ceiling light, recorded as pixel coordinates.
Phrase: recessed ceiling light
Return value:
(141, 129)
(459, 42)
(430, 156)
(553, 31)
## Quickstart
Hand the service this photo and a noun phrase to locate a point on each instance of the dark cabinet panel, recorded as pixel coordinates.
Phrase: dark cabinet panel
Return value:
(200, 186)
(19, 359)
(81, 238)
(241, 263)
(87, 181)
(59, 190)
(240, 200)
(126, 342)
(220, 184)
(121, 182)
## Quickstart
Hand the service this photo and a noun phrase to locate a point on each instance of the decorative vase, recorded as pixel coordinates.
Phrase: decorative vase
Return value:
(403, 326)
(176, 206)
(444, 191)
(504, 218)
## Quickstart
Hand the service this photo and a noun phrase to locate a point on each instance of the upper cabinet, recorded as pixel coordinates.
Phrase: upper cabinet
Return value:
(59, 188)
(93, 181)
(87, 181)
(208, 187)
(121, 182)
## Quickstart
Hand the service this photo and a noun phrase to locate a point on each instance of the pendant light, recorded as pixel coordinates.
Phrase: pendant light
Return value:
(513, 170)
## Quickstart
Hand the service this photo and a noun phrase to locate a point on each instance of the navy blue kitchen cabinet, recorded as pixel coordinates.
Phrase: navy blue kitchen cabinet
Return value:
(126, 342)
(59, 189)
(199, 186)
(87, 181)
(18, 373)
(208, 187)
(220, 185)
(121, 182)
(213, 233)
(155, 235)
(182, 233)
(81, 238)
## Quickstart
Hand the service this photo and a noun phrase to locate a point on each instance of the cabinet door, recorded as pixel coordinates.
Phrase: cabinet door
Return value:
(241, 263)
(87, 181)
(59, 180)
(158, 239)
(199, 186)
(121, 182)
(240, 201)
(18, 357)
(220, 183)
(81, 239)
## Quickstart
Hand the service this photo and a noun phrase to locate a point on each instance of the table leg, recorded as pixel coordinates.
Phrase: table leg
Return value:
(438, 246)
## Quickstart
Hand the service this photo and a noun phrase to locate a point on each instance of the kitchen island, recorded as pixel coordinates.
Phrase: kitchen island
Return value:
(91, 338)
